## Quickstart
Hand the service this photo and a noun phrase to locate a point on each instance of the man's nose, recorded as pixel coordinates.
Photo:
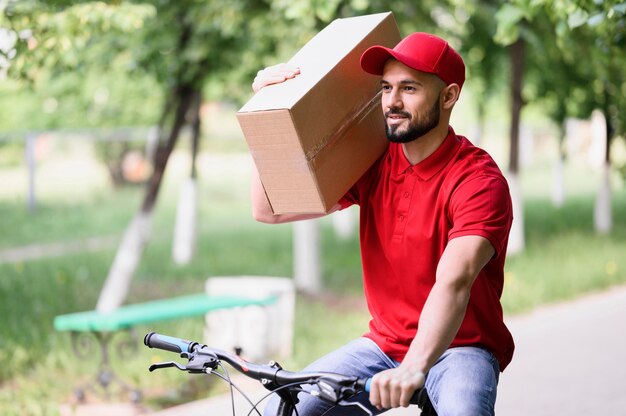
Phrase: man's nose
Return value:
(392, 101)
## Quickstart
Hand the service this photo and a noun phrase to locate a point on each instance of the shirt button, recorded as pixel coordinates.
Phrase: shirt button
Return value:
(406, 194)
(401, 217)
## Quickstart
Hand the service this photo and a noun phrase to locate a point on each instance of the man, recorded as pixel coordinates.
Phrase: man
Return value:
(435, 215)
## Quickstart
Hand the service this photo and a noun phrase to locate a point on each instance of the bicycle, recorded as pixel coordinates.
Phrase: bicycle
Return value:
(333, 388)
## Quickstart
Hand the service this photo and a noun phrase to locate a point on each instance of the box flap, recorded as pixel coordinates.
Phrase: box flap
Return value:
(315, 59)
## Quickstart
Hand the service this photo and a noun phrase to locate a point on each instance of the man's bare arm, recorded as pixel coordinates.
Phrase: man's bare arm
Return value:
(440, 320)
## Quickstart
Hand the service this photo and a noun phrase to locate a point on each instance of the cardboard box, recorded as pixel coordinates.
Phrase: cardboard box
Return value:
(312, 137)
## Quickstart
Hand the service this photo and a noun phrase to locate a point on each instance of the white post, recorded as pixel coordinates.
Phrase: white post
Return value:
(516, 237)
(183, 246)
(558, 185)
(526, 145)
(306, 256)
(602, 215)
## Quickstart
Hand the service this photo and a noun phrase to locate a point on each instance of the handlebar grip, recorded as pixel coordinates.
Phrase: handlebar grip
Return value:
(164, 342)
(368, 385)
(415, 399)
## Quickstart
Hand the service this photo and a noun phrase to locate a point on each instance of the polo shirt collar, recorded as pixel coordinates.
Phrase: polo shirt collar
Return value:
(428, 167)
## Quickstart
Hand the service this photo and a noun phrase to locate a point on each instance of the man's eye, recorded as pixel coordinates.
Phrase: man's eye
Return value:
(409, 88)
(386, 87)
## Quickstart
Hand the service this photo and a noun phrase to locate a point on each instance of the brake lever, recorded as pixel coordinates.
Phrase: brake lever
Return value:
(167, 364)
(357, 404)
(199, 362)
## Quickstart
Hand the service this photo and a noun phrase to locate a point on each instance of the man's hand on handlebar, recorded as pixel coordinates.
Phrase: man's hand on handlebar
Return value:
(274, 75)
(395, 387)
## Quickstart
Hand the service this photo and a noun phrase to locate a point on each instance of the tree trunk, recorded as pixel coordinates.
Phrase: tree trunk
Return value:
(602, 216)
(306, 258)
(131, 248)
(195, 132)
(558, 189)
(516, 238)
(183, 247)
(517, 77)
(183, 96)
(127, 258)
(602, 213)
(479, 128)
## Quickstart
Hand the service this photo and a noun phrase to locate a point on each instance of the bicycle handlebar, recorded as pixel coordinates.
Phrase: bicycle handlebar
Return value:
(333, 387)
(261, 372)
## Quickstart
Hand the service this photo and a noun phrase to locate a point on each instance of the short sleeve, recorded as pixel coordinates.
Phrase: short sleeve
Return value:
(482, 206)
(350, 198)
(360, 190)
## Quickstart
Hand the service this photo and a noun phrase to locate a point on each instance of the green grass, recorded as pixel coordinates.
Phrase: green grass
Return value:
(564, 258)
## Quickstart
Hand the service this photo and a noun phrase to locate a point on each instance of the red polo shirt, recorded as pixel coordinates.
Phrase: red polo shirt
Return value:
(408, 215)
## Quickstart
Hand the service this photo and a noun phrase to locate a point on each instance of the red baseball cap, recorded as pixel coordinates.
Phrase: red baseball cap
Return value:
(422, 52)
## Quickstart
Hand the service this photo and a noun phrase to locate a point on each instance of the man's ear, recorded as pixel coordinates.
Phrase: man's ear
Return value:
(449, 96)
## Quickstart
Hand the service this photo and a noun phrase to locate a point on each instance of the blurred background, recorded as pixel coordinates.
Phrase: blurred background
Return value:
(115, 116)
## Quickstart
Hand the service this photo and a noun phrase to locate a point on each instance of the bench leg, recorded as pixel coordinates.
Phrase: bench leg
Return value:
(86, 345)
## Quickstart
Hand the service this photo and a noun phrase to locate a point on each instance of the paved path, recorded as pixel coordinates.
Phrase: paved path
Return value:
(570, 360)
(56, 249)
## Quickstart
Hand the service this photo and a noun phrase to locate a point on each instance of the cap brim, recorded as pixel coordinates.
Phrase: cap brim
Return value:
(374, 58)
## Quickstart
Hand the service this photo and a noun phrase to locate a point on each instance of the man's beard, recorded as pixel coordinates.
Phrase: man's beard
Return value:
(416, 128)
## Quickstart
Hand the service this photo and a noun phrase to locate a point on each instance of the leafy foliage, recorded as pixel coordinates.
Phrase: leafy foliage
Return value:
(54, 37)
(584, 45)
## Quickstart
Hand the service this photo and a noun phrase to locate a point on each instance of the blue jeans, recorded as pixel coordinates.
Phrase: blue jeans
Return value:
(462, 382)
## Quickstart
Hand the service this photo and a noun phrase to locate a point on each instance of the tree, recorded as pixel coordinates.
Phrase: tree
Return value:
(484, 58)
(597, 32)
(85, 97)
(181, 43)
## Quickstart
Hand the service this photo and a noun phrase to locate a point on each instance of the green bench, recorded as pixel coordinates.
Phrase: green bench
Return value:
(129, 316)
(104, 326)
